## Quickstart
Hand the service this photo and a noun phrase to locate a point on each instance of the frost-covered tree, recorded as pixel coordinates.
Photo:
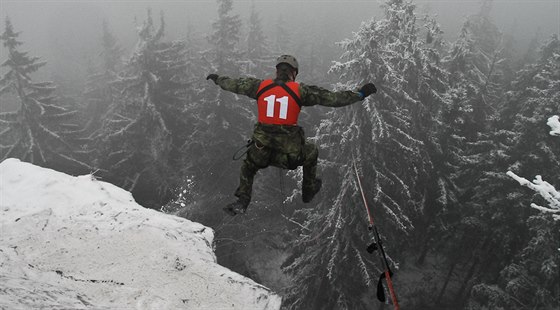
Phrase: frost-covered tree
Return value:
(389, 135)
(531, 52)
(222, 121)
(194, 90)
(474, 63)
(226, 32)
(42, 130)
(100, 92)
(530, 278)
(194, 69)
(140, 137)
(533, 98)
(542, 187)
(283, 41)
(316, 51)
(259, 56)
(545, 190)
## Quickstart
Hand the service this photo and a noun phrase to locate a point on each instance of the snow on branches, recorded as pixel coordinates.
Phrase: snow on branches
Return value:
(554, 125)
(543, 188)
(546, 190)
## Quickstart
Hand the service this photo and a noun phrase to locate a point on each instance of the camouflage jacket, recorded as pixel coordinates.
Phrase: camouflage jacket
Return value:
(286, 138)
(310, 95)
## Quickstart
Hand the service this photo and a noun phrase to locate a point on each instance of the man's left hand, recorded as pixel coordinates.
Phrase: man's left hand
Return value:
(212, 77)
(367, 90)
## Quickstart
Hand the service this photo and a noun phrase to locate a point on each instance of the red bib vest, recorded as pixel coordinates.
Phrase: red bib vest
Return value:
(276, 105)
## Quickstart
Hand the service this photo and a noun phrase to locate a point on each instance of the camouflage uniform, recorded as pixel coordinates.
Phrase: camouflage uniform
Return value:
(282, 146)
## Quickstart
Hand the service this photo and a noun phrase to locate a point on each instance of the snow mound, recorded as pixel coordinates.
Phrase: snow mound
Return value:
(79, 243)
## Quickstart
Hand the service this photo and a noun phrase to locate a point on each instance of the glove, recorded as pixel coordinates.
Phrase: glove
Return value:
(367, 90)
(212, 77)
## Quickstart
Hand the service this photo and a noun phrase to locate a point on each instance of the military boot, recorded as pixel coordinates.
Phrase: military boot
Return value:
(237, 207)
(309, 191)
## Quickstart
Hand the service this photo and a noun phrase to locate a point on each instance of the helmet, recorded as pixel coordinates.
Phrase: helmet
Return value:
(288, 59)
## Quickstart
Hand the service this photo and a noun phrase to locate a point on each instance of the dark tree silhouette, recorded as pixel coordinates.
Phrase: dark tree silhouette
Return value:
(42, 130)
(141, 134)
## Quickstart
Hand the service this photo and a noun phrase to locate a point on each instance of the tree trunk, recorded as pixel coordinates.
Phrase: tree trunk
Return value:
(459, 295)
(425, 249)
(476, 262)
(447, 279)
(319, 300)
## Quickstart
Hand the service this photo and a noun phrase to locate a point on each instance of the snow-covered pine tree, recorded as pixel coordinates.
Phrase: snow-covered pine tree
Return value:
(534, 96)
(100, 92)
(469, 97)
(389, 135)
(260, 59)
(223, 120)
(474, 63)
(531, 53)
(530, 278)
(223, 123)
(194, 71)
(42, 130)
(226, 32)
(140, 135)
(313, 45)
(283, 41)
(476, 66)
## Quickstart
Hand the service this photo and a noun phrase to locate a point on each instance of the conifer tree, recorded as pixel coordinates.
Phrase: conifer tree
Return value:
(259, 57)
(530, 278)
(531, 53)
(140, 137)
(471, 98)
(502, 234)
(100, 92)
(194, 71)
(475, 63)
(389, 135)
(222, 120)
(226, 31)
(283, 41)
(42, 130)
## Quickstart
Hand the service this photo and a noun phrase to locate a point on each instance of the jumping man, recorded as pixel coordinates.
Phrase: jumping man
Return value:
(277, 139)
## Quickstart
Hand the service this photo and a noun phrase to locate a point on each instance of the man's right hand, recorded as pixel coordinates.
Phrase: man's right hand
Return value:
(367, 90)
(212, 77)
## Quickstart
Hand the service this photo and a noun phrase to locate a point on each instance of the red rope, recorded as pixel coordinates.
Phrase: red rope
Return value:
(370, 217)
(371, 223)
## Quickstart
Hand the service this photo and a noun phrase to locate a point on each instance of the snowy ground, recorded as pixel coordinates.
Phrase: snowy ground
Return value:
(78, 243)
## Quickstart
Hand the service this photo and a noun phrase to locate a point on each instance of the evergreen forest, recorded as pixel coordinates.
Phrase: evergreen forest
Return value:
(433, 148)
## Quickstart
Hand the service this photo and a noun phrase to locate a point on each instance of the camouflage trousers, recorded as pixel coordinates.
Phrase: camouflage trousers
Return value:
(279, 146)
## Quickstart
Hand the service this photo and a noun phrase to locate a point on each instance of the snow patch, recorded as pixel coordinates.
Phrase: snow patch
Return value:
(545, 190)
(554, 124)
(76, 242)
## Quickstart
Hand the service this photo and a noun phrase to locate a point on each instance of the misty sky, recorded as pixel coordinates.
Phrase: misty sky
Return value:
(69, 31)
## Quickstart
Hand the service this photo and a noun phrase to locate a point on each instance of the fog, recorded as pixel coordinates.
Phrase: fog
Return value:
(66, 34)
(435, 151)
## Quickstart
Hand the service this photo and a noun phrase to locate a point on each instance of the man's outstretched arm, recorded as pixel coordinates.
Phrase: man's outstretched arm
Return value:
(314, 95)
(242, 86)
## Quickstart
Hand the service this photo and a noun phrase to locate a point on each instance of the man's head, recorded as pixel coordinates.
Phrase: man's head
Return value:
(286, 67)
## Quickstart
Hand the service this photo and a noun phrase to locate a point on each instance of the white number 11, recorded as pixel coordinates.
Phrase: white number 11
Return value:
(270, 103)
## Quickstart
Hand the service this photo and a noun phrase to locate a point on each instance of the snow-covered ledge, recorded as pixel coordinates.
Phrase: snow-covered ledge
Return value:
(79, 243)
